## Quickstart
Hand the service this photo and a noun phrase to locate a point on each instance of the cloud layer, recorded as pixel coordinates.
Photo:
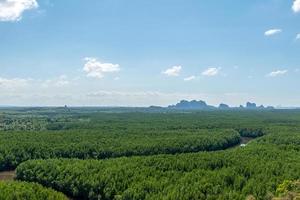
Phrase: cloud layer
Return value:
(61, 81)
(13, 84)
(12, 10)
(96, 69)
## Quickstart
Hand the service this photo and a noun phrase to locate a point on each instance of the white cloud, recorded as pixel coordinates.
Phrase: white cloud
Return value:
(62, 81)
(173, 71)
(96, 69)
(272, 32)
(296, 6)
(20, 84)
(12, 10)
(13, 83)
(190, 78)
(277, 73)
(212, 71)
(298, 36)
(102, 93)
(56, 82)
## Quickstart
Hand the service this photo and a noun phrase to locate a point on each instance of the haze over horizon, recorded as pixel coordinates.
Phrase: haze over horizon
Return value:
(142, 53)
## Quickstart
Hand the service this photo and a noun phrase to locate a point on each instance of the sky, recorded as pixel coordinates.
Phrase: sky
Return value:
(141, 53)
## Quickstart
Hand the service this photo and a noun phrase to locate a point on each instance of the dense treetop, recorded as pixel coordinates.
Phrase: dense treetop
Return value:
(232, 174)
(14, 190)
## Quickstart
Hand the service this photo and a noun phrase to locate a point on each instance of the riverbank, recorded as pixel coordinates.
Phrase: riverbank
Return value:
(7, 175)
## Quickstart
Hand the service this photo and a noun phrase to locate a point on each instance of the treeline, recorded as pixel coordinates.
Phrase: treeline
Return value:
(256, 170)
(106, 118)
(16, 147)
(256, 120)
(14, 190)
(289, 139)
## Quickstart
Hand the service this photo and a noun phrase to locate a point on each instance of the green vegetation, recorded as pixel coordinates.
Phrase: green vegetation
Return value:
(17, 147)
(286, 139)
(249, 132)
(112, 154)
(289, 190)
(234, 174)
(20, 123)
(14, 190)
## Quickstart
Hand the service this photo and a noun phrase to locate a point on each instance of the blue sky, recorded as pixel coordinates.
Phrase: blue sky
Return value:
(140, 53)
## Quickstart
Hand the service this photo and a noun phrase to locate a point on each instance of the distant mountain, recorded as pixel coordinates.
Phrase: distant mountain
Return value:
(224, 106)
(250, 105)
(156, 108)
(202, 105)
(191, 105)
(272, 107)
(254, 106)
(261, 107)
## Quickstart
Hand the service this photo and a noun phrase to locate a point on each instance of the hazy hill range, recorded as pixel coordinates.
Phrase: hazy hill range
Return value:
(202, 105)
